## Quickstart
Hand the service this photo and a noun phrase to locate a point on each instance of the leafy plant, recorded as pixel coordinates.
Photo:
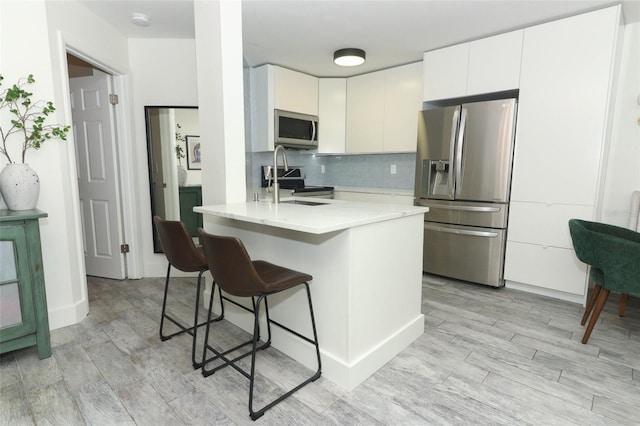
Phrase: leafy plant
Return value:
(180, 139)
(179, 152)
(28, 121)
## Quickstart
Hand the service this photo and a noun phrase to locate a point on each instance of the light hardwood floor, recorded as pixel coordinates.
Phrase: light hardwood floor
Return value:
(487, 357)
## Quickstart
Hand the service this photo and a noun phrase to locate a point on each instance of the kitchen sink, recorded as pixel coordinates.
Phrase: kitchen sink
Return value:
(304, 202)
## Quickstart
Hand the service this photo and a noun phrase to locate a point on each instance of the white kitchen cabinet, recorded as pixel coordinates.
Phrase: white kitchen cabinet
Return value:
(382, 108)
(332, 106)
(402, 102)
(445, 72)
(553, 269)
(274, 87)
(550, 226)
(494, 63)
(482, 66)
(365, 113)
(566, 82)
(294, 91)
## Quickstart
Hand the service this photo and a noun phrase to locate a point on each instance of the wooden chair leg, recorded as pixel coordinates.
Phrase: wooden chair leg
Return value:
(590, 303)
(623, 304)
(602, 299)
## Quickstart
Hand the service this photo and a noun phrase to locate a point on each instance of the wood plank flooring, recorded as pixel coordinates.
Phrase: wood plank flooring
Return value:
(487, 357)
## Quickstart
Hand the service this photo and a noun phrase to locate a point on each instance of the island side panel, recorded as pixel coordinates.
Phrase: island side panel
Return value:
(386, 292)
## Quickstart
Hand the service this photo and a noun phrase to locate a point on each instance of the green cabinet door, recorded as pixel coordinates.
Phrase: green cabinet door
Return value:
(23, 303)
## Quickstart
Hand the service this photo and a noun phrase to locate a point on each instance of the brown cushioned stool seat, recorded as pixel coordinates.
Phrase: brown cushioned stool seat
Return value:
(236, 274)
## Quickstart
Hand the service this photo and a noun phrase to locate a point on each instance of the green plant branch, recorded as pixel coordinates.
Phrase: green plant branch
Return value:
(29, 118)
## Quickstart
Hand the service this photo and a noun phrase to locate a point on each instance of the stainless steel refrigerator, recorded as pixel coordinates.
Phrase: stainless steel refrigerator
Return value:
(463, 174)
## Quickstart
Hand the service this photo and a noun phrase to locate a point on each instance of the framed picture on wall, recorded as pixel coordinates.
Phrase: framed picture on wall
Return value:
(194, 161)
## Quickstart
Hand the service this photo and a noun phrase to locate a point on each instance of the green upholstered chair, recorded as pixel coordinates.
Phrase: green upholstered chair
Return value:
(613, 253)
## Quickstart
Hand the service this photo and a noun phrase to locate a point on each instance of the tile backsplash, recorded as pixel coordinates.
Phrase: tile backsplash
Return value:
(364, 170)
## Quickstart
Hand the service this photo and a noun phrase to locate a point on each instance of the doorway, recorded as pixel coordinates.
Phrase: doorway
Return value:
(94, 127)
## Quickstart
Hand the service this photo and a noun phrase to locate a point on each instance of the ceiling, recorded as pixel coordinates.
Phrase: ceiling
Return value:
(303, 34)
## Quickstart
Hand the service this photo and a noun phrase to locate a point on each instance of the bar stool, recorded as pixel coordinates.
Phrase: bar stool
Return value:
(182, 254)
(236, 274)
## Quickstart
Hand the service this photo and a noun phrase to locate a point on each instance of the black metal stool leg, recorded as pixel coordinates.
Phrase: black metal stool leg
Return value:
(164, 304)
(315, 334)
(198, 364)
(257, 414)
(256, 332)
(193, 330)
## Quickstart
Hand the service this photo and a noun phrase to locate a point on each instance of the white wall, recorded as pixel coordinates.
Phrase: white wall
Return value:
(623, 170)
(163, 72)
(40, 50)
(218, 28)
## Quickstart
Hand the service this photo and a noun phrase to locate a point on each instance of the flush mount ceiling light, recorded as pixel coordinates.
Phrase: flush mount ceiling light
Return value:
(349, 57)
(140, 19)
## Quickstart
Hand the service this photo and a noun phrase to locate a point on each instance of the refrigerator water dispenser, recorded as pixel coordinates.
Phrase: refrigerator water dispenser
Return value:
(437, 174)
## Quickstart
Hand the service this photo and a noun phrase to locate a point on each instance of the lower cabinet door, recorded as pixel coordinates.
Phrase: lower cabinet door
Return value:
(17, 316)
(548, 267)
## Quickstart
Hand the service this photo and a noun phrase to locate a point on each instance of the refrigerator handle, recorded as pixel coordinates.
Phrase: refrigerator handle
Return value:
(478, 209)
(486, 234)
(452, 149)
(459, 145)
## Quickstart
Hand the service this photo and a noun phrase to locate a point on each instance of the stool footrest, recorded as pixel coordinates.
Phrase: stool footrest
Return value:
(230, 362)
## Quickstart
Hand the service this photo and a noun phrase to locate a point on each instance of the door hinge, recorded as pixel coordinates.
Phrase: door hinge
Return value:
(124, 248)
(113, 99)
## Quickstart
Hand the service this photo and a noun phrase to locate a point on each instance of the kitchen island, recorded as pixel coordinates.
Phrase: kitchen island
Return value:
(366, 262)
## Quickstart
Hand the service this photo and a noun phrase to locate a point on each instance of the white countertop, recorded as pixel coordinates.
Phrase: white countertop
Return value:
(333, 215)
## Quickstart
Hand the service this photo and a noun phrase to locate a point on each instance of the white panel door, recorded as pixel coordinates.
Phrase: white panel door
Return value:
(93, 126)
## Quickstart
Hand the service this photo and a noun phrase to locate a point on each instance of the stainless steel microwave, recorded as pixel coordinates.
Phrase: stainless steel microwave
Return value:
(295, 130)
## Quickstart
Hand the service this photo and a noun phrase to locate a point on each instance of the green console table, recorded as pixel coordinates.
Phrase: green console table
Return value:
(23, 302)
(191, 196)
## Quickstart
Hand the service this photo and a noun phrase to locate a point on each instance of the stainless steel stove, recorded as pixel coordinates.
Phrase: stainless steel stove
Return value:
(294, 179)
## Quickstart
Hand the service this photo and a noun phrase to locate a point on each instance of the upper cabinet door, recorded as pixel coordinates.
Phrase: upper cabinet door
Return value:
(445, 72)
(382, 110)
(487, 65)
(566, 84)
(295, 91)
(274, 87)
(494, 63)
(403, 101)
(332, 105)
(365, 113)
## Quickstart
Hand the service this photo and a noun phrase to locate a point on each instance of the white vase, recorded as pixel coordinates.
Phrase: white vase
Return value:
(182, 176)
(19, 186)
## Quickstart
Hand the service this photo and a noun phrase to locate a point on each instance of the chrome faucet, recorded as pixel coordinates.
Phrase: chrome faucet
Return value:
(276, 185)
